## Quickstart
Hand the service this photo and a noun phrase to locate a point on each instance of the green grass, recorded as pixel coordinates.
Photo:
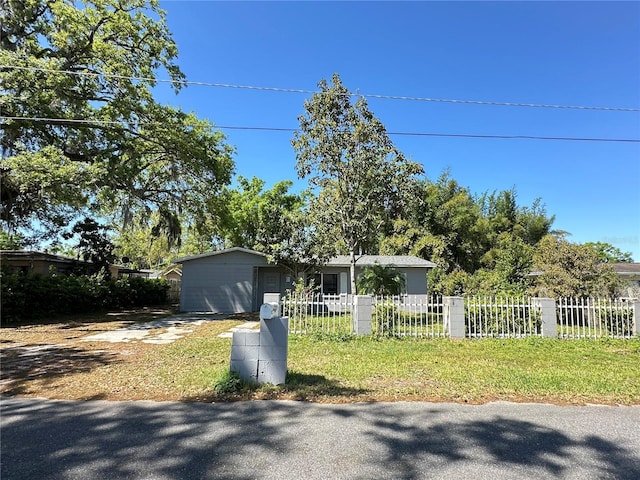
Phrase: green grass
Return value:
(340, 368)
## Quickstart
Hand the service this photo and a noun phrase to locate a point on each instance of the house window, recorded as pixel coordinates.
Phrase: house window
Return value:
(330, 283)
(327, 282)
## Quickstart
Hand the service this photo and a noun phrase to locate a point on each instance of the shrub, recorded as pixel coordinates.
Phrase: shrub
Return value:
(385, 313)
(34, 296)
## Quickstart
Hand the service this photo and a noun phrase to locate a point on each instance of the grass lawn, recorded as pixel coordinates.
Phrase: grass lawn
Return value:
(324, 369)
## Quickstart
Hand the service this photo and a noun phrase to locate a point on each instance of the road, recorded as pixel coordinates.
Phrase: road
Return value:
(42, 439)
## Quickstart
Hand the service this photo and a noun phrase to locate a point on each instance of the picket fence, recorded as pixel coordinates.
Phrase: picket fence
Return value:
(431, 316)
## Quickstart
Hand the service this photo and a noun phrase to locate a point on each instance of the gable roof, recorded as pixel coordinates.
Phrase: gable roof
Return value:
(33, 255)
(218, 252)
(405, 261)
(626, 268)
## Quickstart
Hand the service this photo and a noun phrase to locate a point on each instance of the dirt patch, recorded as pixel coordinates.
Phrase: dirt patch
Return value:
(56, 358)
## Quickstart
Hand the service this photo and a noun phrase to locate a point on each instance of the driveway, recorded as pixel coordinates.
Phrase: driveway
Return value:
(165, 330)
(63, 440)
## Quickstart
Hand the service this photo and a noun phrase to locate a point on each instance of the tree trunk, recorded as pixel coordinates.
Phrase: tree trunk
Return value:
(352, 269)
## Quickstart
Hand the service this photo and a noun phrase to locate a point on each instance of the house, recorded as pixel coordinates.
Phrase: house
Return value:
(629, 273)
(36, 263)
(32, 262)
(236, 279)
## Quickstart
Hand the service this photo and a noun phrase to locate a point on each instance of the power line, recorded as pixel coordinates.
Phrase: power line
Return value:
(277, 129)
(309, 92)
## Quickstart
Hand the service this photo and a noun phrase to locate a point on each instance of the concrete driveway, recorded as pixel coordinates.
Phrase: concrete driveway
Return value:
(98, 440)
(165, 330)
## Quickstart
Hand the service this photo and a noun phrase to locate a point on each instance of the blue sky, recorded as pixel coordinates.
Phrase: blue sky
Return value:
(563, 53)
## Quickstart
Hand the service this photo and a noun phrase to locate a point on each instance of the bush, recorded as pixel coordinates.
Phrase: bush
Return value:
(34, 296)
(619, 323)
(385, 314)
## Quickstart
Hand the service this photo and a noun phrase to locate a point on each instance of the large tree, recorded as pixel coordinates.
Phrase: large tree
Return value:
(82, 132)
(567, 269)
(359, 176)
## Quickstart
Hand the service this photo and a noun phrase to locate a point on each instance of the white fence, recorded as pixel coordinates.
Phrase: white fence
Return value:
(318, 313)
(502, 317)
(595, 318)
(457, 317)
(408, 316)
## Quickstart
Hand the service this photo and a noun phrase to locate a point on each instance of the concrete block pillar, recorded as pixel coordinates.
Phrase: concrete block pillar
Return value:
(274, 344)
(261, 356)
(362, 314)
(454, 316)
(245, 350)
(636, 318)
(549, 316)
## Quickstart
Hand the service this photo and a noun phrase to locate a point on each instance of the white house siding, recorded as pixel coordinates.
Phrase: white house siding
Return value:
(220, 283)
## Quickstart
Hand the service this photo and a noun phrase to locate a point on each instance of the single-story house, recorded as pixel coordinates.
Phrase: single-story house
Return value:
(630, 274)
(236, 279)
(32, 262)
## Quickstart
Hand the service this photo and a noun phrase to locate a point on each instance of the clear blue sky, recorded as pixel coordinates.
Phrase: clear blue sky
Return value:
(564, 53)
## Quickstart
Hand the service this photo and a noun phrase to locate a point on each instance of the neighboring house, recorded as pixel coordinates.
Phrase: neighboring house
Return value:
(36, 263)
(173, 275)
(42, 263)
(630, 274)
(235, 280)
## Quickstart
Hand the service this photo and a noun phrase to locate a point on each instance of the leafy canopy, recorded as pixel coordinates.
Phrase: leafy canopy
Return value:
(105, 146)
(359, 177)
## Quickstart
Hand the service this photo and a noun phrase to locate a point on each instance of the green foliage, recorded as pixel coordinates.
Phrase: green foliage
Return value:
(608, 253)
(230, 383)
(481, 244)
(381, 280)
(494, 319)
(363, 180)
(35, 296)
(571, 270)
(385, 315)
(619, 323)
(127, 157)
(94, 246)
(9, 241)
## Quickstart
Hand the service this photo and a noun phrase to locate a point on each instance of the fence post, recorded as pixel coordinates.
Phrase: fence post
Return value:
(362, 314)
(548, 319)
(636, 318)
(454, 316)
(273, 298)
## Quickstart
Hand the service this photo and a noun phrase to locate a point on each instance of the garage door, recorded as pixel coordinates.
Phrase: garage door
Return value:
(217, 288)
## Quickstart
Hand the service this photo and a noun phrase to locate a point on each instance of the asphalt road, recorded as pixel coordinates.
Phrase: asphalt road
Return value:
(43, 439)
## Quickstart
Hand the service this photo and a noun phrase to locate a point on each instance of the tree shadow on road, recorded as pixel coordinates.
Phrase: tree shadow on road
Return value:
(285, 439)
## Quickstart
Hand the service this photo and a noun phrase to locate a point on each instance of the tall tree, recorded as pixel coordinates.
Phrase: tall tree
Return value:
(358, 174)
(608, 253)
(84, 133)
(569, 269)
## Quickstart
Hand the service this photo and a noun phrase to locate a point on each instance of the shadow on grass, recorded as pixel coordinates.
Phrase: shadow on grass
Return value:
(24, 364)
(298, 386)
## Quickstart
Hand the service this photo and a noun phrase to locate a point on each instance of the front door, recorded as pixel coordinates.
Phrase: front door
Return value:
(272, 282)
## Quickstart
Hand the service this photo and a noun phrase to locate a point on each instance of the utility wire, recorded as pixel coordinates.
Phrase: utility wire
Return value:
(94, 123)
(309, 92)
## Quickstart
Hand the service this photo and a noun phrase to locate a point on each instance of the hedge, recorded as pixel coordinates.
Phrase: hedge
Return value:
(35, 296)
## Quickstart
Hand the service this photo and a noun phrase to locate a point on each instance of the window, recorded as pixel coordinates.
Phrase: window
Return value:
(330, 283)
(327, 282)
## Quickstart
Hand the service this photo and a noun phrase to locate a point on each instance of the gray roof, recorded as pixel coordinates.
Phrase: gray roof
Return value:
(218, 252)
(627, 268)
(406, 261)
